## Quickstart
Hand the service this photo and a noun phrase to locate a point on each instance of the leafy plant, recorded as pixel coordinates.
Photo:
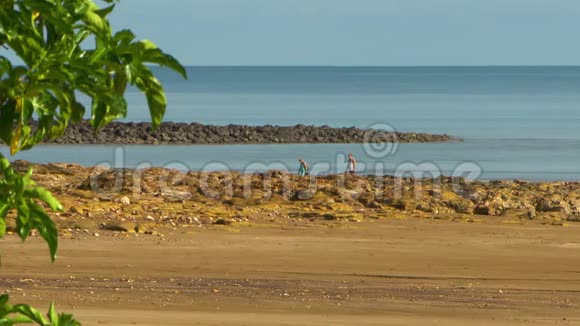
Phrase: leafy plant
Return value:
(66, 47)
(24, 314)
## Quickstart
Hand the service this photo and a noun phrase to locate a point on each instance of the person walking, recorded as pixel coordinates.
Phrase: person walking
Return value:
(303, 170)
(351, 167)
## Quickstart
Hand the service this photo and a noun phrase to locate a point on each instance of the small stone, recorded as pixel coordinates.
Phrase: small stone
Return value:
(96, 235)
(125, 201)
(150, 218)
(573, 219)
(222, 221)
(305, 194)
(114, 227)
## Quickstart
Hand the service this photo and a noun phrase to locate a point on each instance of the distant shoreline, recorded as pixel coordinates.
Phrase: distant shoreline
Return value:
(141, 133)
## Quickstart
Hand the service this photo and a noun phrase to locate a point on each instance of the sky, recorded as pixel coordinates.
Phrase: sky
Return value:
(359, 32)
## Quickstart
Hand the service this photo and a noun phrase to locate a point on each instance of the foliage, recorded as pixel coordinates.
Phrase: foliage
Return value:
(66, 47)
(21, 193)
(24, 314)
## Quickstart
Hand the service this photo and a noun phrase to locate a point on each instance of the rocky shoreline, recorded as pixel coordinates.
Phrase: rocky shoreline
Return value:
(131, 200)
(196, 133)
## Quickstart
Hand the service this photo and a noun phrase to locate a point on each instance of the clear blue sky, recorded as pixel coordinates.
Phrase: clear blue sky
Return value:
(359, 32)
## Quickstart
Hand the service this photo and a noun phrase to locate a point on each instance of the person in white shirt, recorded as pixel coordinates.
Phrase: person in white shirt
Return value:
(351, 168)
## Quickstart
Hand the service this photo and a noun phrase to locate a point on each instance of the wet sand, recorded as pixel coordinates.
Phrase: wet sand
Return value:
(378, 272)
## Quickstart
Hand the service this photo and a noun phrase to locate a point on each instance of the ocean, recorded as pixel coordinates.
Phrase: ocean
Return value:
(517, 122)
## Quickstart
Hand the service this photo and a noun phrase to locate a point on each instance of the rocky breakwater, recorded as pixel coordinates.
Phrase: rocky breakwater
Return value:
(138, 200)
(195, 133)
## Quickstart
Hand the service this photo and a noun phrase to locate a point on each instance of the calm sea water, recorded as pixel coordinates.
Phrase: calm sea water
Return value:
(518, 122)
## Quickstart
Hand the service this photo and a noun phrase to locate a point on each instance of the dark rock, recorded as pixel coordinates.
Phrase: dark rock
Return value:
(195, 133)
(374, 204)
(399, 204)
(481, 209)
(573, 219)
(305, 194)
(554, 203)
(114, 227)
(426, 208)
(463, 206)
(222, 221)
(176, 196)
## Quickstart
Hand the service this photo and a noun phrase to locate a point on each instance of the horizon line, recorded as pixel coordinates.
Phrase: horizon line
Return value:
(380, 66)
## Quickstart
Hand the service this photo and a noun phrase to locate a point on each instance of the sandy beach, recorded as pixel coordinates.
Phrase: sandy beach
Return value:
(157, 255)
(407, 272)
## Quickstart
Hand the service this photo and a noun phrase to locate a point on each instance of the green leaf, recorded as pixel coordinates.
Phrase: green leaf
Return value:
(104, 113)
(78, 112)
(2, 227)
(5, 66)
(99, 111)
(15, 142)
(22, 220)
(157, 104)
(99, 25)
(46, 228)
(45, 196)
(98, 54)
(148, 84)
(67, 320)
(15, 320)
(31, 313)
(157, 56)
(7, 117)
(105, 11)
(52, 315)
(5, 166)
(123, 38)
(120, 82)
(147, 51)
(145, 45)
(117, 109)
(4, 208)
(4, 299)
(27, 178)
(25, 314)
